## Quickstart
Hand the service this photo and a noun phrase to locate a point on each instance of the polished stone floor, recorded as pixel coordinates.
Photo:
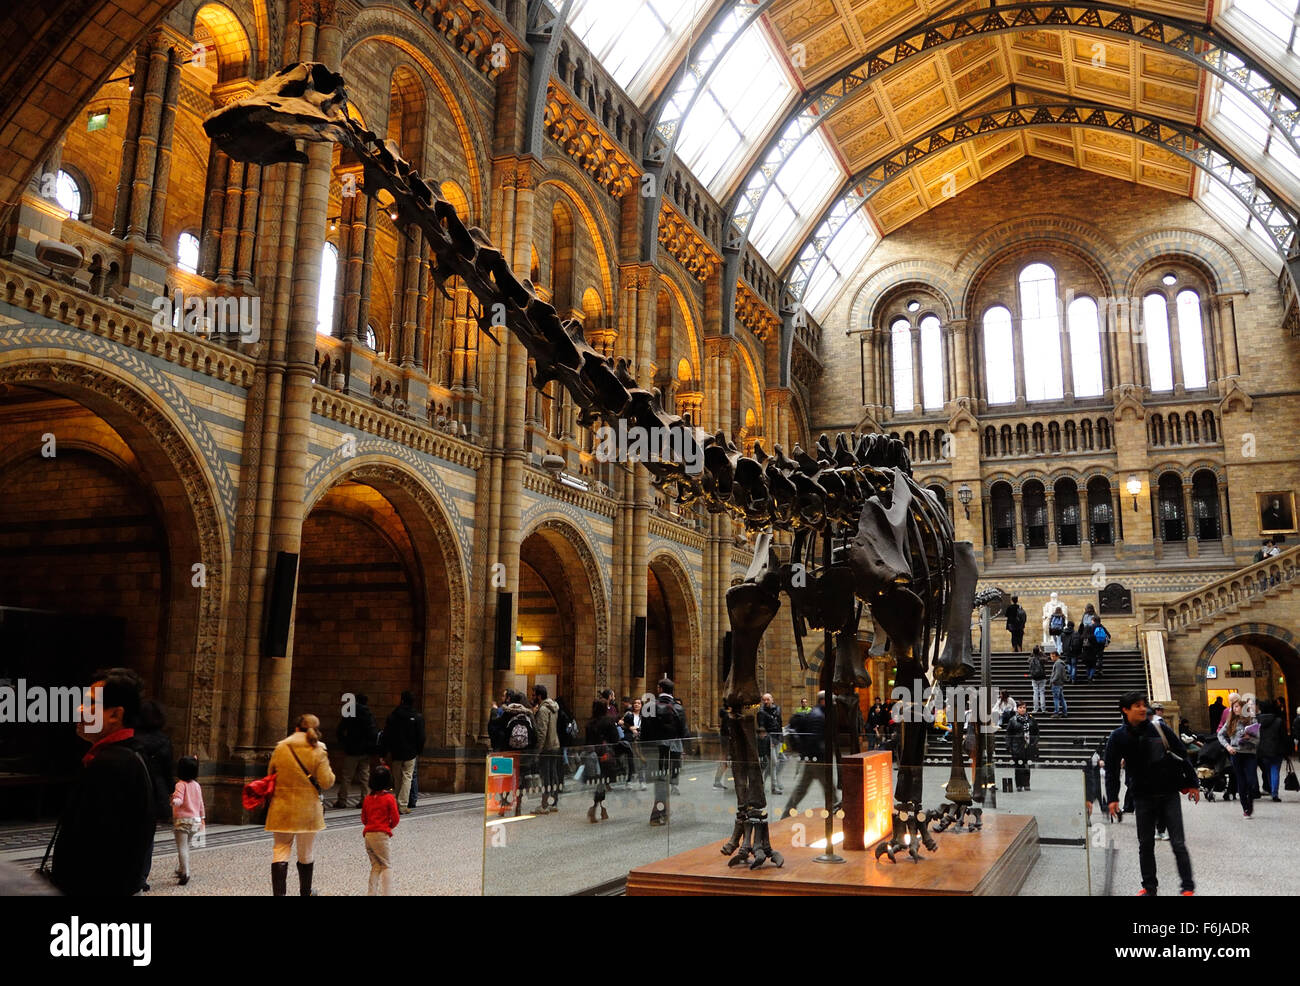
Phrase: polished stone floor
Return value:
(451, 846)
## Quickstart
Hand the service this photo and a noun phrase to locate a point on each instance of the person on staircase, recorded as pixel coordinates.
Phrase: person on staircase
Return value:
(1016, 620)
(1057, 681)
(1038, 678)
(1022, 737)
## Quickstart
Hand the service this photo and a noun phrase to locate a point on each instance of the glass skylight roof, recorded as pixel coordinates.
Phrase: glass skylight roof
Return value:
(736, 110)
(846, 251)
(790, 206)
(633, 38)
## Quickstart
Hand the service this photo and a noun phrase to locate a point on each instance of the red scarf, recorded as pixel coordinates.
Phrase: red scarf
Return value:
(117, 737)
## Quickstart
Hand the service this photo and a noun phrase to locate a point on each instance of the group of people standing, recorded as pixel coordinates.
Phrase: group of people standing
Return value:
(1084, 646)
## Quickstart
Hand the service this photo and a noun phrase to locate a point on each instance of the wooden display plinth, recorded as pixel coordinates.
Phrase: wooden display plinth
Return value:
(990, 863)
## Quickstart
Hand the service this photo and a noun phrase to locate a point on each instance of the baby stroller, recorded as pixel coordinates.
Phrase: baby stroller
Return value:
(1212, 767)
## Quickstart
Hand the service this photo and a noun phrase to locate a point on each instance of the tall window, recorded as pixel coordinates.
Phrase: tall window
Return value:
(1169, 499)
(187, 252)
(1191, 340)
(634, 38)
(1155, 324)
(1085, 347)
(999, 361)
(329, 269)
(931, 363)
(900, 337)
(1040, 331)
(1100, 516)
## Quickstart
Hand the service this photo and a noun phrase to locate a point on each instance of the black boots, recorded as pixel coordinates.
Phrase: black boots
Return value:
(279, 875)
(304, 879)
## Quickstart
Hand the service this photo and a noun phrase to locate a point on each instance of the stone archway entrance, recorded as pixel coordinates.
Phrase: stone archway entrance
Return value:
(1269, 649)
(672, 627)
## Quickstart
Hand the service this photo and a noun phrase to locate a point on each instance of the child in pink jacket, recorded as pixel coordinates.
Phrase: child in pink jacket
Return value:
(188, 815)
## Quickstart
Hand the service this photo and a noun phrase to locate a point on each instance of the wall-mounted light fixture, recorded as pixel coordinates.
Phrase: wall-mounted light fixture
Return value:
(965, 495)
(1134, 487)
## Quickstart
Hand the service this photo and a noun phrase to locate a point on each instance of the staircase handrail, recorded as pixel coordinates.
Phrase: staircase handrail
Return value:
(1230, 590)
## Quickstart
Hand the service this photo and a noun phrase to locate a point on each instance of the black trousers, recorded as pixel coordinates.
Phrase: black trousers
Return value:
(1017, 639)
(1166, 811)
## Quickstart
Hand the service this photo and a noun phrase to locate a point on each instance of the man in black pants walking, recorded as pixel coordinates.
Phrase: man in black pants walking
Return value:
(1016, 620)
(1158, 769)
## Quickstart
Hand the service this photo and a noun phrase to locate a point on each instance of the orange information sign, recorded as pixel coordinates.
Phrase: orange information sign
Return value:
(868, 798)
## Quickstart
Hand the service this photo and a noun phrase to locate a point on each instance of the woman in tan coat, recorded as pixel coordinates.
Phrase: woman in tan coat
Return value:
(301, 766)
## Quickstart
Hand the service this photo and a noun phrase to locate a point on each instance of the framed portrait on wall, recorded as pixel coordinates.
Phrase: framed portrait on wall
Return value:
(1276, 512)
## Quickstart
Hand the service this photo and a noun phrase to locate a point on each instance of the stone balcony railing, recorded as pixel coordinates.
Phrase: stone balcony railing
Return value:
(1248, 585)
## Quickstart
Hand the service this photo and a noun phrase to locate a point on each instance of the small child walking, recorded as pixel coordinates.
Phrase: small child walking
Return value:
(379, 816)
(188, 814)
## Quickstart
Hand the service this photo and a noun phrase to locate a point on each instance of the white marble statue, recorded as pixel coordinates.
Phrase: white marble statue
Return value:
(1049, 608)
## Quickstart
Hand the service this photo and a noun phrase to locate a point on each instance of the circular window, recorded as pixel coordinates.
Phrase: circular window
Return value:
(1169, 279)
(913, 305)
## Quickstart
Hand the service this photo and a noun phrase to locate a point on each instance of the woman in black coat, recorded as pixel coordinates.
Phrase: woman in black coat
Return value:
(602, 740)
(1022, 740)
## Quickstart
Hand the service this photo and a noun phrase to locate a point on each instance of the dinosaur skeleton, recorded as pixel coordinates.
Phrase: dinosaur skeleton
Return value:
(863, 531)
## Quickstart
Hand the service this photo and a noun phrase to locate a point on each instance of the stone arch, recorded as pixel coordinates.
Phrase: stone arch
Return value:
(1035, 241)
(1206, 254)
(686, 307)
(674, 576)
(166, 449)
(416, 39)
(937, 279)
(1277, 642)
(429, 522)
(239, 49)
(595, 220)
(573, 546)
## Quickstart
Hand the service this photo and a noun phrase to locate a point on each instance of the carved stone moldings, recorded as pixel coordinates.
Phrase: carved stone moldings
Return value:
(679, 237)
(582, 138)
(753, 313)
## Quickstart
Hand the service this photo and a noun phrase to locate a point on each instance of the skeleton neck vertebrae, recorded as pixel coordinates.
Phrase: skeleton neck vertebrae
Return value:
(864, 532)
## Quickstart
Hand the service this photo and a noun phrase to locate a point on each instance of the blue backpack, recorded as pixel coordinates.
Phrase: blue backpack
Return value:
(1100, 635)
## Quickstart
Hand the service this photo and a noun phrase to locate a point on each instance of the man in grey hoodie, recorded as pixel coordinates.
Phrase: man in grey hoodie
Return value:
(546, 717)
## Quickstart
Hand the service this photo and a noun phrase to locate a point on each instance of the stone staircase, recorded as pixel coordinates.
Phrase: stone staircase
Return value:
(1094, 709)
(1235, 598)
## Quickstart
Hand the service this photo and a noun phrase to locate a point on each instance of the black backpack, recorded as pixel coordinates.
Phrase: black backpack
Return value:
(567, 728)
(1056, 624)
(1035, 667)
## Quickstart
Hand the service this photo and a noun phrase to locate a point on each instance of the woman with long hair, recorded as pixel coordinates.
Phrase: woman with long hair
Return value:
(1239, 735)
(301, 765)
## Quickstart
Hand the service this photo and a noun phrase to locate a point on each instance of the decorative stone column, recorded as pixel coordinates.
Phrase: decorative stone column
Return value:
(1053, 550)
(1018, 500)
(1189, 529)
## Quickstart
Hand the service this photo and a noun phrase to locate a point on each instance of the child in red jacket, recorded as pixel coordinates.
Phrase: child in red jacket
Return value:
(379, 815)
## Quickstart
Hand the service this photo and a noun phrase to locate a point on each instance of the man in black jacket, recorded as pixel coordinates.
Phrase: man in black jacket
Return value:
(769, 742)
(811, 727)
(404, 740)
(104, 841)
(357, 735)
(1157, 771)
(665, 728)
(1016, 620)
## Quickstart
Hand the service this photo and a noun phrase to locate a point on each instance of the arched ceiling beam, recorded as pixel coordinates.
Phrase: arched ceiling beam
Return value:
(668, 113)
(1276, 217)
(1179, 38)
(545, 29)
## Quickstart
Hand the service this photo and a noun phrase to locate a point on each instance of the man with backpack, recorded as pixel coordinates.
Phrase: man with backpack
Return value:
(404, 741)
(1038, 678)
(666, 725)
(1158, 770)
(1100, 640)
(1017, 618)
(358, 734)
(810, 739)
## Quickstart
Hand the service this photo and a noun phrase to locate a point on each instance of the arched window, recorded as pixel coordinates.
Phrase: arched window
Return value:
(999, 361)
(1040, 445)
(1209, 428)
(924, 447)
(1205, 505)
(1085, 435)
(1004, 516)
(1103, 433)
(1191, 341)
(1022, 440)
(941, 495)
(561, 259)
(1040, 333)
(1157, 430)
(909, 443)
(329, 269)
(187, 252)
(1155, 323)
(1008, 447)
(1085, 347)
(939, 451)
(1035, 507)
(1067, 512)
(1071, 437)
(990, 442)
(1175, 430)
(900, 344)
(1169, 501)
(1101, 517)
(1053, 437)
(1192, 432)
(67, 193)
(372, 338)
(931, 363)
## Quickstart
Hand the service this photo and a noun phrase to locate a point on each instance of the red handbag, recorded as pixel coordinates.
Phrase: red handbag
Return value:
(257, 792)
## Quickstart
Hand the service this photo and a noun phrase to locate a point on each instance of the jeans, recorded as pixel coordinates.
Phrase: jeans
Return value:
(1272, 767)
(1244, 766)
(1058, 699)
(1165, 809)
(1072, 666)
(1040, 696)
(775, 762)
